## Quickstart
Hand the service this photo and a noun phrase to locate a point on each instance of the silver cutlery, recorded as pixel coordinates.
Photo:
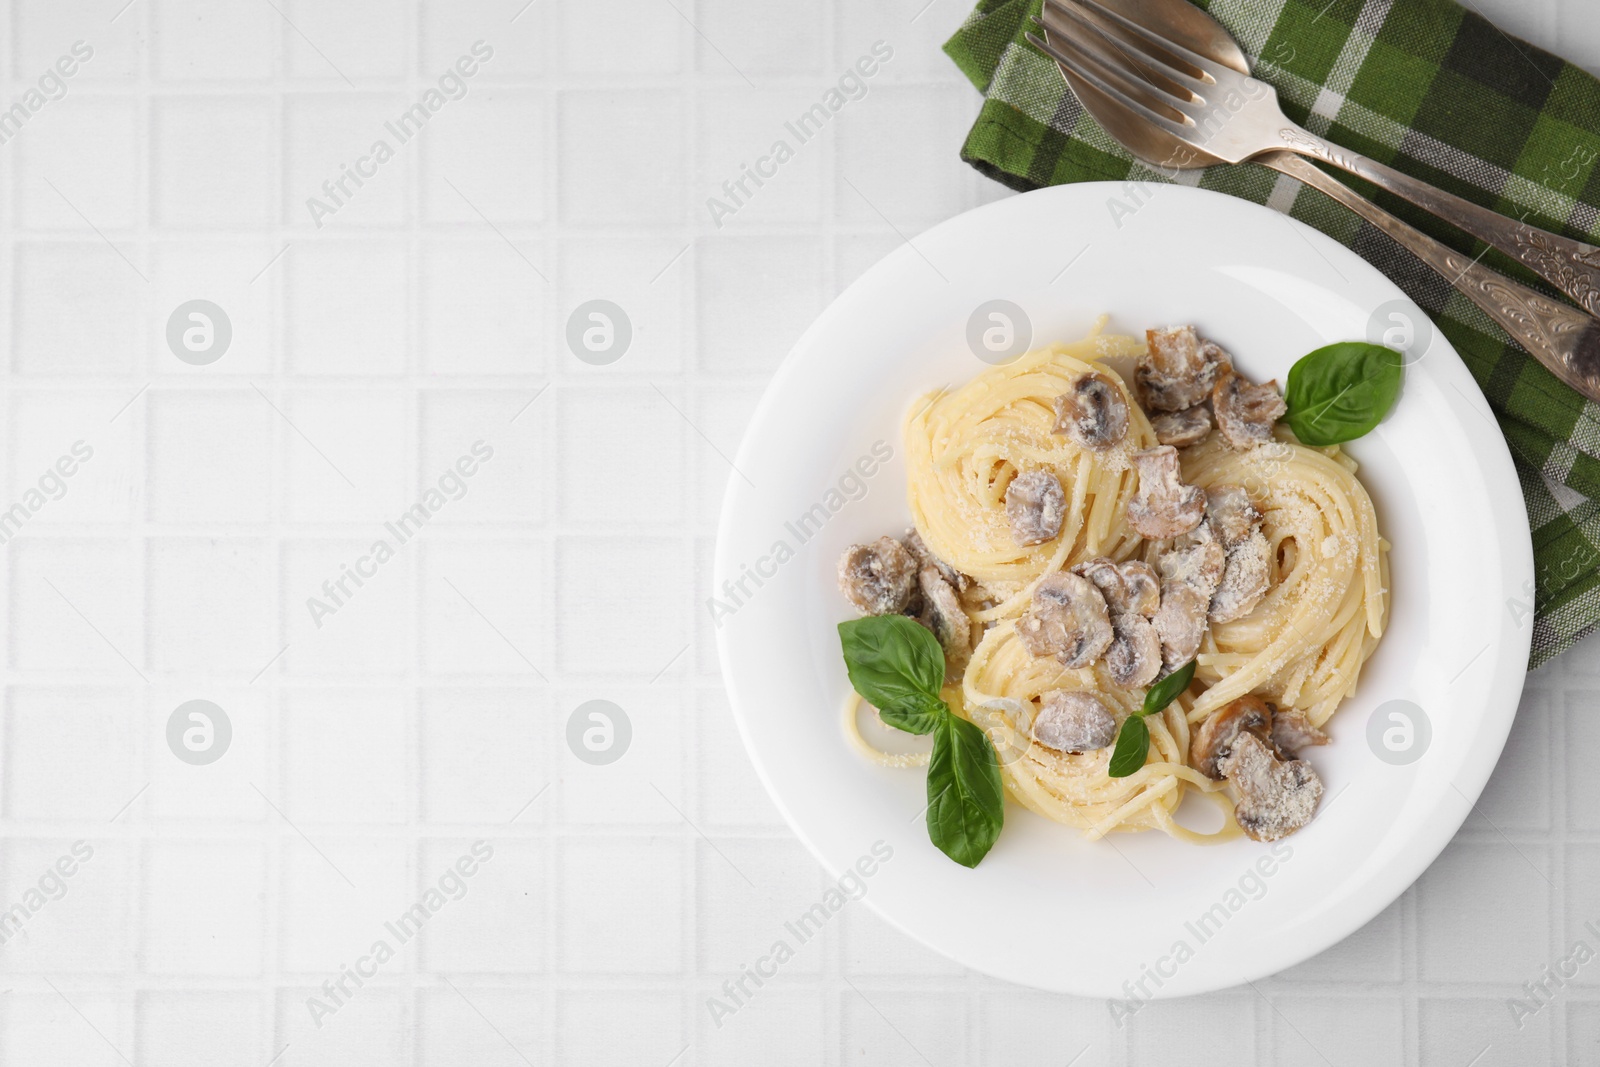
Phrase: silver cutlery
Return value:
(1132, 80)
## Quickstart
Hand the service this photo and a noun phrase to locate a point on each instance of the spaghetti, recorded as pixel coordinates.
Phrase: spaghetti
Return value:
(964, 448)
(1302, 646)
(1001, 692)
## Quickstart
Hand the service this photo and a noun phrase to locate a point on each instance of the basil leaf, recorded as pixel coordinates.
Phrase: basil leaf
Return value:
(965, 798)
(1133, 744)
(894, 663)
(915, 718)
(1164, 692)
(1341, 391)
(898, 667)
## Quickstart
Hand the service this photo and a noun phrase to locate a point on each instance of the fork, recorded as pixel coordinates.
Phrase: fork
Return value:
(1234, 117)
(1562, 338)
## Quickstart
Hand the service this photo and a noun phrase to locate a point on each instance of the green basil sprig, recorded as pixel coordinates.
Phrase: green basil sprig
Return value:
(898, 667)
(1340, 392)
(1133, 739)
(965, 808)
(1133, 744)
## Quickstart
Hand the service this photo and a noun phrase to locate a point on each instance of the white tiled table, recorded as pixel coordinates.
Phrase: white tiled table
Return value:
(428, 709)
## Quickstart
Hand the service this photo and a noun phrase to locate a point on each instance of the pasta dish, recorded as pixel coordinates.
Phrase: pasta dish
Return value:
(1143, 584)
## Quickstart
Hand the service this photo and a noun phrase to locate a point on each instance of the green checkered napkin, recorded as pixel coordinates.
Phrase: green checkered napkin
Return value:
(1431, 89)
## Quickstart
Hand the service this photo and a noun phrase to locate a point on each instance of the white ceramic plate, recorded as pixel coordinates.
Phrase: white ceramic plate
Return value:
(1046, 908)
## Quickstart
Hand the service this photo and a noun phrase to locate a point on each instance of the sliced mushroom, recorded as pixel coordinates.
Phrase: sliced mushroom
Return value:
(880, 578)
(1092, 412)
(1036, 506)
(1131, 586)
(1073, 722)
(1180, 429)
(1245, 579)
(925, 558)
(1181, 624)
(1216, 736)
(1199, 564)
(1245, 412)
(1067, 620)
(1179, 370)
(1164, 506)
(1292, 731)
(1230, 514)
(941, 613)
(1134, 658)
(1276, 798)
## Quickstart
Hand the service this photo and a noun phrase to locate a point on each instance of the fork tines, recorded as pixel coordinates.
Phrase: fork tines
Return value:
(1132, 90)
(1163, 49)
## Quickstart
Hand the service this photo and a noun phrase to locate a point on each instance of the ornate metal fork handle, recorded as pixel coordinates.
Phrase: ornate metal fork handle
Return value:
(1571, 266)
(1563, 339)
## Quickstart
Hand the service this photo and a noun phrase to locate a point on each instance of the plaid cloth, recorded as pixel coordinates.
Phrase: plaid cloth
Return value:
(1431, 89)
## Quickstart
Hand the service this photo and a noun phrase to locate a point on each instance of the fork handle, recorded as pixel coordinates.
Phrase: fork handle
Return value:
(1571, 266)
(1562, 338)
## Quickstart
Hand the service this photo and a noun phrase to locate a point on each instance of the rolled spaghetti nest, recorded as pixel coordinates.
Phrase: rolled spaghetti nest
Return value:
(1001, 692)
(963, 448)
(1303, 646)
